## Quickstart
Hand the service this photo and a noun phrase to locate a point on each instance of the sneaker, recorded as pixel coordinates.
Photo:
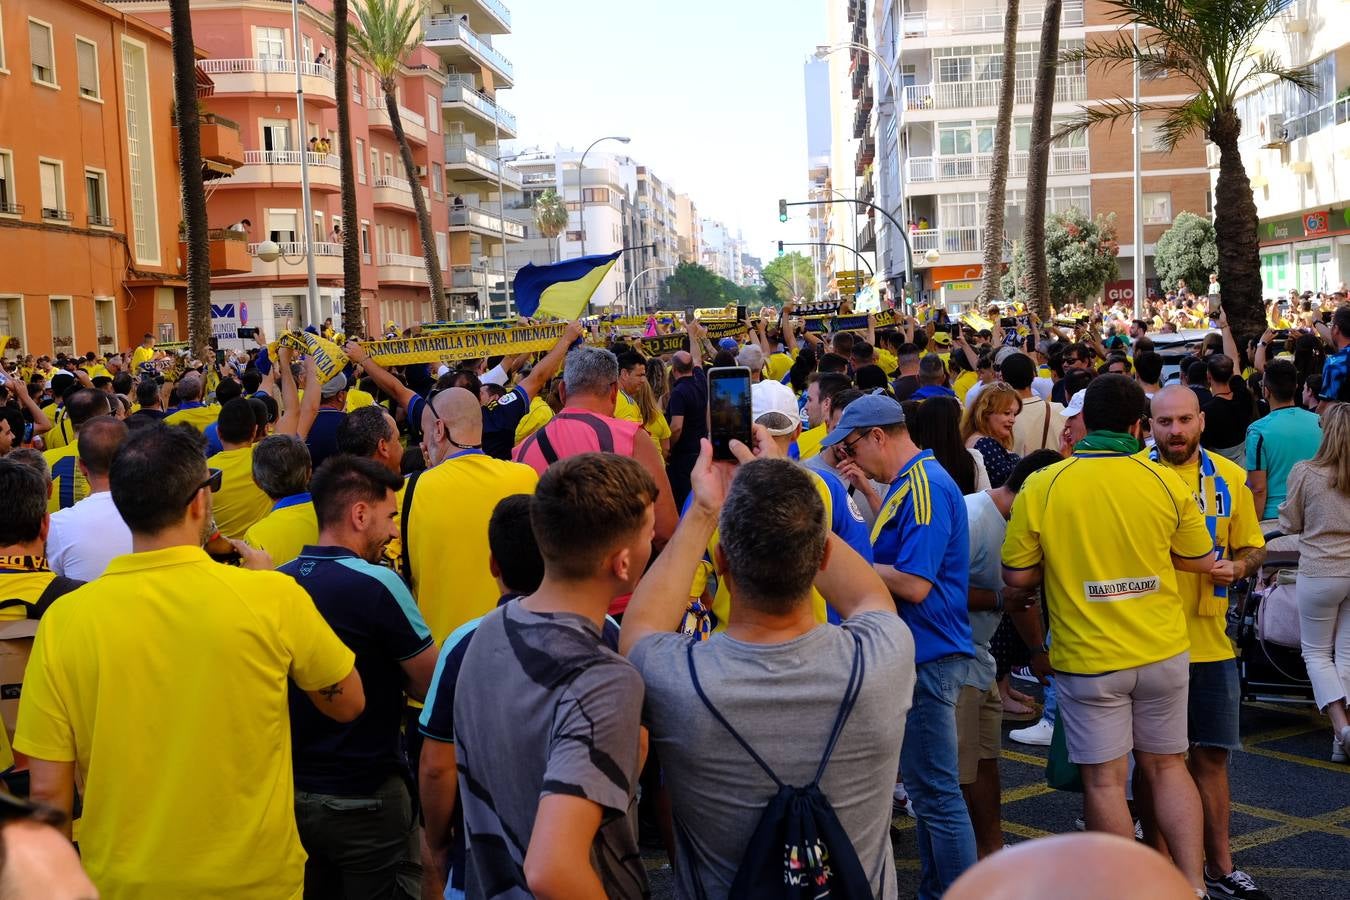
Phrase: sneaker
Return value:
(1337, 750)
(1080, 824)
(1037, 735)
(1138, 830)
(1236, 884)
(1024, 673)
(900, 803)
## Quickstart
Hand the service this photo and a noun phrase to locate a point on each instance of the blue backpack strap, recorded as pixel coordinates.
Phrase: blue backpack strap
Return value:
(698, 688)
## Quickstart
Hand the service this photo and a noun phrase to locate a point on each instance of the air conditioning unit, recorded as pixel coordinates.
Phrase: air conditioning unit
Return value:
(421, 171)
(1212, 155)
(1272, 131)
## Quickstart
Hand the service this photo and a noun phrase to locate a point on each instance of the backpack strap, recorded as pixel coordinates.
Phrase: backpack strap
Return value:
(855, 679)
(698, 688)
(603, 435)
(405, 555)
(1045, 429)
(545, 446)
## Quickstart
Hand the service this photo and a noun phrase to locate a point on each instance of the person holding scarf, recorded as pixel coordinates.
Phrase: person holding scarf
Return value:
(1230, 515)
(1108, 573)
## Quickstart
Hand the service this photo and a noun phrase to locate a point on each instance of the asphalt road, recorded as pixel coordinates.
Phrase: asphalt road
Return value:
(1291, 808)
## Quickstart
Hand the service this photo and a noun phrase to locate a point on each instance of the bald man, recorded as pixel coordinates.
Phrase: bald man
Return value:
(1226, 502)
(37, 861)
(1070, 867)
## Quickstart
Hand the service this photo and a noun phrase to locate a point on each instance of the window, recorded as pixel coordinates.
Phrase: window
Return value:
(9, 204)
(574, 236)
(86, 59)
(1062, 199)
(388, 164)
(53, 191)
(105, 320)
(320, 233)
(270, 45)
(596, 195)
(442, 250)
(11, 318)
(140, 152)
(360, 160)
(63, 323)
(433, 114)
(356, 83)
(436, 181)
(276, 136)
(307, 48)
(365, 243)
(42, 52)
(2, 67)
(96, 198)
(374, 163)
(1158, 208)
(281, 225)
(1150, 141)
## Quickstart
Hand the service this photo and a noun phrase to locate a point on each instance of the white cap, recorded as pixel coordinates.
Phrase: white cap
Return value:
(751, 357)
(774, 397)
(1075, 406)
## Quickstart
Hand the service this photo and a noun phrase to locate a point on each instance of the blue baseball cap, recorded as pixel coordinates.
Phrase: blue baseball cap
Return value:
(868, 411)
(728, 343)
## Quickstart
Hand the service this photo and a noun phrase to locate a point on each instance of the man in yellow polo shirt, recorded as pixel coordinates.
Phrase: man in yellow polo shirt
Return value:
(143, 354)
(69, 486)
(182, 748)
(190, 409)
(821, 388)
(1120, 642)
(281, 469)
(445, 531)
(1219, 487)
(239, 503)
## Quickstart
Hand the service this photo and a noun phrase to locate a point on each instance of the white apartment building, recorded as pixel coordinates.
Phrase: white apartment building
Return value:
(722, 251)
(1296, 149)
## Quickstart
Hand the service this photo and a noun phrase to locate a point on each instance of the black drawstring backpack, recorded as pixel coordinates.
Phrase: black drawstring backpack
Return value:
(799, 850)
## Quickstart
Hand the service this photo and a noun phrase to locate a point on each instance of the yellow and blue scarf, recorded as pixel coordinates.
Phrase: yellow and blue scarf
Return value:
(1216, 502)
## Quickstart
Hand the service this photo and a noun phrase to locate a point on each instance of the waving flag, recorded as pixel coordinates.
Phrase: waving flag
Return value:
(560, 289)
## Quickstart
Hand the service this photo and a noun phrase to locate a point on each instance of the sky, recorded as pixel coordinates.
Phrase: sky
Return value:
(710, 91)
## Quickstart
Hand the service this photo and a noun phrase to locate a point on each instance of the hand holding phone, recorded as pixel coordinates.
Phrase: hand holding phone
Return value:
(728, 409)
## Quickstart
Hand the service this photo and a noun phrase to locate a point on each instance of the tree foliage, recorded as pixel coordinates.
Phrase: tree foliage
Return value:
(550, 217)
(789, 277)
(697, 286)
(1187, 250)
(1080, 257)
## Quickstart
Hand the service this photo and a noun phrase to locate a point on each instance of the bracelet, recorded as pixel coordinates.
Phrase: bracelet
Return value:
(998, 601)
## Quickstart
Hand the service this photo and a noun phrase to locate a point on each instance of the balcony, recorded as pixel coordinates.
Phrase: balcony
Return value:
(470, 279)
(229, 251)
(860, 63)
(966, 94)
(484, 223)
(291, 263)
(862, 119)
(281, 168)
(460, 97)
(867, 151)
(487, 16)
(392, 191)
(867, 238)
(965, 239)
(447, 35)
(414, 124)
(978, 166)
(401, 268)
(985, 21)
(270, 77)
(867, 193)
(222, 151)
(465, 163)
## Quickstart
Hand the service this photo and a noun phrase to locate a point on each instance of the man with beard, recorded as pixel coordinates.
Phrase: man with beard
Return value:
(352, 803)
(1212, 711)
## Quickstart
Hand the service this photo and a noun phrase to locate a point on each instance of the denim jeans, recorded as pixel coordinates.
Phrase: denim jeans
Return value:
(928, 761)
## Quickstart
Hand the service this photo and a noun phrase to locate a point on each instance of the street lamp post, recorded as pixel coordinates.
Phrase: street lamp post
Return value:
(313, 314)
(581, 189)
(630, 292)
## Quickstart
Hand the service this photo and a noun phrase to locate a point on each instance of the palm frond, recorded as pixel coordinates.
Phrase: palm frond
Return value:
(1268, 65)
(389, 30)
(1184, 120)
(1108, 113)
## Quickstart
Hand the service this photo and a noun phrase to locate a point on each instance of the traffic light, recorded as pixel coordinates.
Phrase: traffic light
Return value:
(782, 213)
(780, 248)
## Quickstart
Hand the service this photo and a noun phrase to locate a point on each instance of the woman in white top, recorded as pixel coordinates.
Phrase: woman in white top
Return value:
(1318, 510)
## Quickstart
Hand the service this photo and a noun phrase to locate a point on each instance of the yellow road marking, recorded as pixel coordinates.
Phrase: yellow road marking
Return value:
(1025, 831)
(1293, 709)
(1280, 734)
(1289, 825)
(1024, 758)
(1026, 792)
(1340, 768)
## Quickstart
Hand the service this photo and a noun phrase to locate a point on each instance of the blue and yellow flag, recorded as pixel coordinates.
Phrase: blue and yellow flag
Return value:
(560, 289)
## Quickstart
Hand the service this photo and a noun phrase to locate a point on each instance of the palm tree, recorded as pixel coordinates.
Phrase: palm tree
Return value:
(550, 217)
(998, 171)
(196, 234)
(1213, 48)
(352, 322)
(1038, 163)
(389, 30)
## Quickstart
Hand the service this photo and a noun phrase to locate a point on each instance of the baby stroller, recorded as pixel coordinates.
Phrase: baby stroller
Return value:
(1264, 625)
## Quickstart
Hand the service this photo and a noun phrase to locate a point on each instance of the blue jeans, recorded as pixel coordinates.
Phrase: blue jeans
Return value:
(1051, 702)
(928, 761)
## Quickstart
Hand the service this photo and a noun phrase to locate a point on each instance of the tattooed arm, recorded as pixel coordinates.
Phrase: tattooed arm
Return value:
(343, 701)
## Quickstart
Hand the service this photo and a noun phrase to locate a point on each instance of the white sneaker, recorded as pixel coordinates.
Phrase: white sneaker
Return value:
(1037, 735)
(1337, 750)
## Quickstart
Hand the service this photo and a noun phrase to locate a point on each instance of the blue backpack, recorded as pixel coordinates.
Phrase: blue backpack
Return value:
(798, 850)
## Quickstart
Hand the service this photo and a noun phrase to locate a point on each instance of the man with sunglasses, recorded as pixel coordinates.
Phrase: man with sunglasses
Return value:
(921, 550)
(163, 685)
(1078, 357)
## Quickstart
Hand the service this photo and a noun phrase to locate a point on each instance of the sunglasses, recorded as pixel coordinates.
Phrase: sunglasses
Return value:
(213, 481)
(431, 407)
(849, 448)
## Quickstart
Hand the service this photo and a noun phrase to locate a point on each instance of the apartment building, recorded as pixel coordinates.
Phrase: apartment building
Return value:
(924, 146)
(722, 251)
(89, 252)
(820, 189)
(689, 229)
(658, 234)
(1296, 149)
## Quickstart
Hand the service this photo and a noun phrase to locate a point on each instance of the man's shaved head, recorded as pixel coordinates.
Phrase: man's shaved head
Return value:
(682, 362)
(1177, 423)
(1176, 398)
(461, 422)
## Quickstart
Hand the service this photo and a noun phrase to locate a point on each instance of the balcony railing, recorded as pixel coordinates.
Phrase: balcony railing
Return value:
(988, 20)
(402, 259)
(468, 277)
(474, 217)
(449, 28)
(262, 65)
(1063, 161)
(101, 221)
(959, 94)
(499, 10)
(290, 158)
(463, 153)
(299, 248)
(393, 181)
(465, 93)
(59, 215)
(10, 209)
(404, 114)
(964, 239)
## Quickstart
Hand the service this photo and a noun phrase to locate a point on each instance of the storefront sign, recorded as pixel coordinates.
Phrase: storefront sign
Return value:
(1315, 223)
(1120, 292)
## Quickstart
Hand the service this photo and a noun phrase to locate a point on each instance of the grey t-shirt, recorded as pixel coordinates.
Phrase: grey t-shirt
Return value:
(987, 530)
(782, 699)
(543, 707)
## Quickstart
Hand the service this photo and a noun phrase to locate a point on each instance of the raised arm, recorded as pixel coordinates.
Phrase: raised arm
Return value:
(1230, 348)
(41, 424)
(549, 365)
(289, 423)
(696, 332)
(383, 378)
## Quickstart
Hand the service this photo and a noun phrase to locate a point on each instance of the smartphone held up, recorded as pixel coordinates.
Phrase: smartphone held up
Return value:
(729, 409)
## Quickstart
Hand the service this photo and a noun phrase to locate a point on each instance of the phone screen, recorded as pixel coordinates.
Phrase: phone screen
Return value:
(728, 408)
(688, 314)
